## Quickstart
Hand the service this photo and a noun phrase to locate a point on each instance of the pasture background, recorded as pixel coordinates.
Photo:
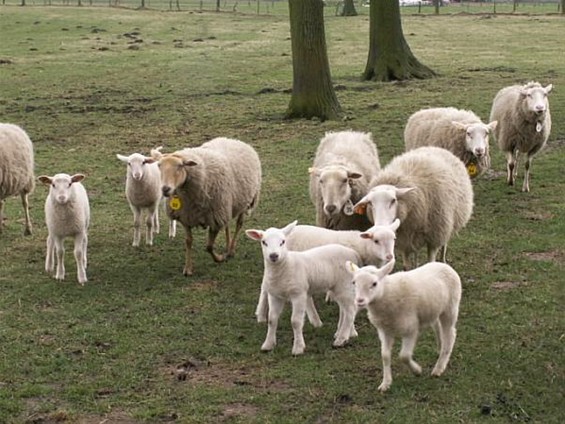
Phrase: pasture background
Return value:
(92, 82)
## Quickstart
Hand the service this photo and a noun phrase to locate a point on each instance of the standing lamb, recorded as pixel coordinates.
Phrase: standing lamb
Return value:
(16, 169)
(429, 190)
(295, 276)
(67, 214)
(143, 192)
(459, 131)
(524, 125)
(345, 163)
(404, 303)
(209, 186)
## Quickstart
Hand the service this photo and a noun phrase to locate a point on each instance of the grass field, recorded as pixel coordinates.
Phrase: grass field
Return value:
(142, 343)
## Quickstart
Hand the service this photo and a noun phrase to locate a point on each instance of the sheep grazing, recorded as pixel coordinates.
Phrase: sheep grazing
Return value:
(524, 125)
(459, 131)
(404, 303)
(67, 214)
(16, 169)
(143, 192)
(209, 186)
(344, 165)
(429, 191)
(294, 276)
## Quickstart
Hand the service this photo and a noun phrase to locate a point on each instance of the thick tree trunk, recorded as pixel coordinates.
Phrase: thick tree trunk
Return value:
(390, 57)
(348, 8)
(313, 94)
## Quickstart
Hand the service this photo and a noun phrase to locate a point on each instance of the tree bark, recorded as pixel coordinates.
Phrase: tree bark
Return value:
(390, 57)
(348, 8)
(313, 94)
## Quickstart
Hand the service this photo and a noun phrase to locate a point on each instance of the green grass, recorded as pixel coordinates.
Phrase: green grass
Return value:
(112, 350)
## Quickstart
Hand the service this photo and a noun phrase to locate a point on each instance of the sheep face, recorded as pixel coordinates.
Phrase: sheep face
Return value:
(273, 242)
(368, 282)
(335, 187)
(60, 186)
(382, 239)
(136, 164)
(383, 200)
(534, 99)
(476, 136)
(174, 172)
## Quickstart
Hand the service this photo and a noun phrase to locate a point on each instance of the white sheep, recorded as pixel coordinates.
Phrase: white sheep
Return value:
(404, 303)
(143, 192)
(345, 163)
(294, 276)
(524, 125)
(374, 246)
(67, 214)
(429, 190)
(16, 169)
(209, 186)
(460, 131)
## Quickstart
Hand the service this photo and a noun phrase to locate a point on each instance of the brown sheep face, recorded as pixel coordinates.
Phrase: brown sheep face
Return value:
(174, 172)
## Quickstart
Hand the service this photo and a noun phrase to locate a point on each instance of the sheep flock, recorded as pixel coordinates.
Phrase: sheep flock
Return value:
(361, 215)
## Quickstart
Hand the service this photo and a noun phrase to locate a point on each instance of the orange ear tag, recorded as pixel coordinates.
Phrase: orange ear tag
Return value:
(472, 169)
(361, 209)
(175, 203)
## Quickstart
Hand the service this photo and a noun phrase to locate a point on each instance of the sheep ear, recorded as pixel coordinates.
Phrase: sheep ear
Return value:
(492, 125)
(256, 235)
(156, 153)
(314, 171)
(288, 229)
(149, 160)
(459, 125)
(366, 235)
(351, 267)
(402, 191)
(386, 269)
(361, 206)
(395, 224)
(44, 179)
(77, 178)
(189, 162)
(122, 158)
(548, 88)
(354, 175)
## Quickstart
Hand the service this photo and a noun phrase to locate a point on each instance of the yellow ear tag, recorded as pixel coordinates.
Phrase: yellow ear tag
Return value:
(472, 169)
(175, 203)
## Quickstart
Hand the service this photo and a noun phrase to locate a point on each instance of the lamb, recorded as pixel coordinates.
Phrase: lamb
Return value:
(524, 125)
(459, 131)
(67, 214)
(294, 276)
(209, 186)
(429, 190)
(16, 169)
(404, 303)
(345, 163)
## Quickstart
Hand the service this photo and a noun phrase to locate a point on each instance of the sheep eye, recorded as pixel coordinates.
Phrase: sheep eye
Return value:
(264, 243)
(374, 284)
(376, 241)
(283, 242)
(353, 282)
(344, 180)
(392, 202)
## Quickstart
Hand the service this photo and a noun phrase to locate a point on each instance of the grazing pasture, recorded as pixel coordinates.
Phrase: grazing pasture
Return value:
(142, 343)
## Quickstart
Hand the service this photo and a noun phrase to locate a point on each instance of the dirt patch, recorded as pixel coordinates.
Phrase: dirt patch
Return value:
(538, 216)
(239, 410)
(507, 285)
(551, 256)
(114, 417)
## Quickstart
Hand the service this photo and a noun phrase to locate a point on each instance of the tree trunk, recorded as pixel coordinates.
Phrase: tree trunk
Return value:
(390, 57)
(348, 8)
(313, 94)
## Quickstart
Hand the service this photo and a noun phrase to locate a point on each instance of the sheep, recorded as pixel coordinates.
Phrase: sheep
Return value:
(208, 186)
(524, 125)
(374, 246)
(67, 214)
(404, 303)
(459, 131)
(16, 169)
(429, 190)
(345, 163)
(295, 276)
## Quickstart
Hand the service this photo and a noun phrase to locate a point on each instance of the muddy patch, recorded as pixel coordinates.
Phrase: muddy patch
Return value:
(556, 256)
(507, 285)
(239, 410)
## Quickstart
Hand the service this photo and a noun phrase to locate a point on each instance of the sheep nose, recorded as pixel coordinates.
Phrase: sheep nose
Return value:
(360, 302)
(330, 208)
(166, 191)
(274, 257)
(479, 151)
(389, 257)
(540, 109)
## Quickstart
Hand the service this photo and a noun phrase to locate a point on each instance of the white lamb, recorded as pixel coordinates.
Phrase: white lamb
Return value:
(345, 163)
(143, 192)
(459, 131)
(404, 303)
(429, 190)
(67, 214)
(294, 276)
(16, 169)
(524, 125)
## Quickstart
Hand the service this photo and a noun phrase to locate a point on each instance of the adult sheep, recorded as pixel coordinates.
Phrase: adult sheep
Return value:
(345, 163)
(429, 190)
(459, 131)
(524, 125)
(209, 186)
(16, 169)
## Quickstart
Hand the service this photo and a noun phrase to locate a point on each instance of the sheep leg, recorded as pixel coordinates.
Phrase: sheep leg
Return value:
(510, 168)
(447, 333)
(212, 234)
(188, 267)
(443, 253)
(228, 241)
(526, 185)
(136, 226)
(407, 350)
(1, 215)
(60, 251)
(84, 249)
(432, 253)
(79, 258)
(238, 226)
(297, 321)
(386, 348)
(346, 321)
(262, 306)
(50, 257)
(151, 225)
(312, 313)
(276, 306)
(25, 203)
(172, 228)
(156, 223)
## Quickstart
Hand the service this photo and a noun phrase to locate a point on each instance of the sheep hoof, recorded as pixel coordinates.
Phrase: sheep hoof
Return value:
(384, 387)
(27, 232)
(187, 272)
(340, 342)
(297, 351)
